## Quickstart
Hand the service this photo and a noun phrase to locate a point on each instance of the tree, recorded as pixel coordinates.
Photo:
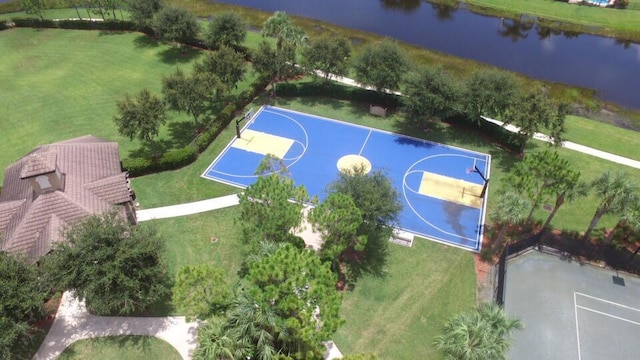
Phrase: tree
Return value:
(430, 94)
(489, 93)
(628, 222)
(225, 63)
(117, 267)
(508, 211)
(338, 219)
(269, 63)
(379, 204)
(142, 12)
(35, 7)
(533, 111)
(288, 38)
(192, 94)
(616, 192)
(299, 290)
(372, 193)
(176, 25)
(226, 29)
(266, 212)
(539, 175)
(570, 189)
(481, 333)
(381, 65)
(329, 54)
(140, 117)
(200, 290)
(21, 302)
(216, 340)
(280, 27)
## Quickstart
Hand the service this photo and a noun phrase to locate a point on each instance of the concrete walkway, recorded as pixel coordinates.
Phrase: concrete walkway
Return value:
(73, 322)
(573, 146)
(188, 208)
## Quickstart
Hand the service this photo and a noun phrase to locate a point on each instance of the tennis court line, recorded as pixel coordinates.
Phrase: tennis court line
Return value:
(576, 307)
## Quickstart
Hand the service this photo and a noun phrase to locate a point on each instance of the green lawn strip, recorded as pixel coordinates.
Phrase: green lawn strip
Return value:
(208, 238)
(603, 136)
(624, 22)
(65, 83)
(121, 348)
(397, 316)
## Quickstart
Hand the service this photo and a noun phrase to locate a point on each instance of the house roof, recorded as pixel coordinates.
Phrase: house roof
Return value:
(93, 183)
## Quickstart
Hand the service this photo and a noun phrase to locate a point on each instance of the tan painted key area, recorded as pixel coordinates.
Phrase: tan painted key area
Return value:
(263, 143)
(451, 189)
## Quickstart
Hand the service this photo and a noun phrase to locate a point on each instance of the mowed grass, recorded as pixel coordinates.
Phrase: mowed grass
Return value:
(603, 136)
(397, 316)
(120, 348)
(60, 84)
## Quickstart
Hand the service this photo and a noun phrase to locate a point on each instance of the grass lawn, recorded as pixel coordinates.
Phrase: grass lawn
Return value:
(611, 21)
(603, 136)
(121, 348)
(60, 84)
(397, 316)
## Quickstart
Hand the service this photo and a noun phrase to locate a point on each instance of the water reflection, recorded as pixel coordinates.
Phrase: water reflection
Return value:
(444, 12)
(515, 29)
(406, 6)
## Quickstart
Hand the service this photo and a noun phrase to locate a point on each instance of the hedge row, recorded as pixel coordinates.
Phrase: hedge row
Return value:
(495, 132)
(177, 158)
(107, 25)
(341, 92)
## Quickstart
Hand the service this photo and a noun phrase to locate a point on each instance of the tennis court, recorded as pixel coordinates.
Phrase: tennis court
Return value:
(571, 310)
(443, 188)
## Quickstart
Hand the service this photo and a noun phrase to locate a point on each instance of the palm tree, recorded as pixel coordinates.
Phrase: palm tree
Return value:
(569, 191)
(510, 210)
(482, 333)
(216, 340)
(616, 192)
(629, 219)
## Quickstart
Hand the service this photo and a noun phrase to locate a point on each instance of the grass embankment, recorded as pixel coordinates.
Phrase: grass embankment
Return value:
(121, 348)
(619, 23)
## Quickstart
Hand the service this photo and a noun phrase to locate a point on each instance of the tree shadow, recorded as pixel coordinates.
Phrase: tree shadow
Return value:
(145, 41)
(111, 32)
(175, 55)
(182, 132)
(373, 259)
(315, 101)
(147, 150)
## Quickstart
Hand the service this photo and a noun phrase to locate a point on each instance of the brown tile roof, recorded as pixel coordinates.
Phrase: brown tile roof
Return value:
(38, 163)
(94, 182)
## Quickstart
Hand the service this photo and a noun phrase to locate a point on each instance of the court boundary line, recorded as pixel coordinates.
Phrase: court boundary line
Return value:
(478, 238)
(365, 142)
(576, 307)
(226, 148)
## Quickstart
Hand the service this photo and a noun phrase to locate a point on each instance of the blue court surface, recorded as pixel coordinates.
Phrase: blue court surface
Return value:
(439, 185)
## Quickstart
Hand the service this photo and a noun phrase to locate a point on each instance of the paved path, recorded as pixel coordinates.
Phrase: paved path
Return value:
(187, 209)
(73, 323)
(573, 146)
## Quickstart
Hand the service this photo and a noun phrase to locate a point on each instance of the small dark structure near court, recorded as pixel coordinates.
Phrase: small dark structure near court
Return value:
(377, 110)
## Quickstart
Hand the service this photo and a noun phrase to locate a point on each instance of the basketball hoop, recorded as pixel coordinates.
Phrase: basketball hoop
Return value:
(471, 170)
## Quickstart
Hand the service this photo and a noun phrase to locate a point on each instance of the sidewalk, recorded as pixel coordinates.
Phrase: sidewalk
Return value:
(73, 322)
(573, 146)
(187, 209)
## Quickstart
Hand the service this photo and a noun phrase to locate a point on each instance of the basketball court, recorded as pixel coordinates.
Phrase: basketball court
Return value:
(571, 310)
(443, 188)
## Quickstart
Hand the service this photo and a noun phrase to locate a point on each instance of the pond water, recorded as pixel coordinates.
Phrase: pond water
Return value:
(607, 65)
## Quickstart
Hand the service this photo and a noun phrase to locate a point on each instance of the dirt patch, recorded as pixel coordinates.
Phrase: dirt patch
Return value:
(484, 276)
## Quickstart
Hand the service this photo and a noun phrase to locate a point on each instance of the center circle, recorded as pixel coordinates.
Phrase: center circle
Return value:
(348, 162)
